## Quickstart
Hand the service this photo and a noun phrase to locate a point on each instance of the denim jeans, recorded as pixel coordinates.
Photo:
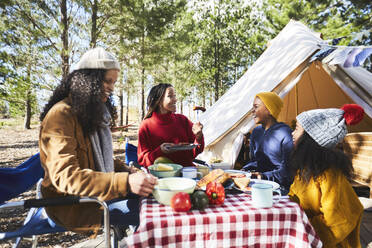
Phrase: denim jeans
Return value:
(124, 212)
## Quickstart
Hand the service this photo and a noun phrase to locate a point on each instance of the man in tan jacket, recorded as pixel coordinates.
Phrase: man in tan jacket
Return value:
(76, 149)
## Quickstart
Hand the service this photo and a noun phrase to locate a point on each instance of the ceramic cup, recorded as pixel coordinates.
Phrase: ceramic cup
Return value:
(204, 170)
(262, 195)
(191, 172)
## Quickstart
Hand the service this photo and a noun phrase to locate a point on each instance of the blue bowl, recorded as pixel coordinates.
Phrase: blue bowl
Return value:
(171, 173)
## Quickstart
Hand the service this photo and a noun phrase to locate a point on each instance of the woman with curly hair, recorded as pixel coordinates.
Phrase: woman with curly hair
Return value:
(76, 148)
(321, 186)
(162, 128)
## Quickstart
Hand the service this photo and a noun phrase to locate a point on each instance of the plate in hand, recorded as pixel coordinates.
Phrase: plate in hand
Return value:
(182, 147)
(232, 172)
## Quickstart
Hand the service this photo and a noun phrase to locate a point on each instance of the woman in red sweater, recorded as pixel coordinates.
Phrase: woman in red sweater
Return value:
(162, 128)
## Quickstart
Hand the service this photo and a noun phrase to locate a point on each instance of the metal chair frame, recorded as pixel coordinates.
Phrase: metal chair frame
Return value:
(35, 204)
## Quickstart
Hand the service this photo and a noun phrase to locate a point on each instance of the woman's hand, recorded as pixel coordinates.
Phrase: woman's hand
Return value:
(141, 183)
(165, 147)
(197, 130)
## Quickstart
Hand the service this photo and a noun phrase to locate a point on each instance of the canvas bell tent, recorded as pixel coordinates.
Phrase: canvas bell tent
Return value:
(284, 68)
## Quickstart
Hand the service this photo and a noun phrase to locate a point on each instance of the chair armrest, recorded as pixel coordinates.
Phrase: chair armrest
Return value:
(66, 200)
(47, 202)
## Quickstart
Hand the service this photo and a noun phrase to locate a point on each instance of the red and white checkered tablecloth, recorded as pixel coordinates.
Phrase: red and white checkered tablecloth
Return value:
(234, 224)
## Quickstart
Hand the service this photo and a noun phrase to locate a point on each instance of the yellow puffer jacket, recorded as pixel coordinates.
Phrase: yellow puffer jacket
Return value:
(332, 206)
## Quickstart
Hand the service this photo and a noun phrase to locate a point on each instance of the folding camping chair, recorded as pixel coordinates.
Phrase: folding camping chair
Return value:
(14, 181)
(130, 153)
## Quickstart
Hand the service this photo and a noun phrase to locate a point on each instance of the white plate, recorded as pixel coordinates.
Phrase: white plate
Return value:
(231, 171)
(182, 147)
(253, 181)
(238, 171)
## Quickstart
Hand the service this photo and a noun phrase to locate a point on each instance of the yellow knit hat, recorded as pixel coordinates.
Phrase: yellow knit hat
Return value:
(272, 102)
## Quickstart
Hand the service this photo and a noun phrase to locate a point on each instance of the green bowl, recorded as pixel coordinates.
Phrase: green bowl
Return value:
(168, 187)
(172, 173)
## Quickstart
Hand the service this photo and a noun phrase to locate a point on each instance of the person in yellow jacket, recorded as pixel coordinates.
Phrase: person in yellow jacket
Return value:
(321, 185)
(76, 149)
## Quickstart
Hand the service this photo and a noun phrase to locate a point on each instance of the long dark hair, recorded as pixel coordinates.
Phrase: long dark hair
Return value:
(84, 87)
(310, 160)
(154, 98)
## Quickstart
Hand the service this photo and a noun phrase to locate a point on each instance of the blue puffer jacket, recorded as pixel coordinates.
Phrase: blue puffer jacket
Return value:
(270, 152)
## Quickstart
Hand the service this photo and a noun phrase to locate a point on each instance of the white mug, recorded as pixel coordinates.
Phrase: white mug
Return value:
(262, 195)
(191, 172)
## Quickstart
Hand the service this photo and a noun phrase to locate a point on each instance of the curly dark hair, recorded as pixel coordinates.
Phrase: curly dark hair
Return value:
(85, 89)
(154, 98)
(310, 160)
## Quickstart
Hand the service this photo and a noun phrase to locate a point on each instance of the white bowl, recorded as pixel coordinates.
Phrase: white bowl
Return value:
(169, 186)
(222, 165)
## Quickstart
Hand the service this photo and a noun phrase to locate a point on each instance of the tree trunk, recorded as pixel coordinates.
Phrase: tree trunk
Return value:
(216, 56)
(121, 108)
(64, 38)
(127, 113)
(143, 74)
(93, 32)
(28, 107)
(27, 122)
(216, 73)
(143, 93)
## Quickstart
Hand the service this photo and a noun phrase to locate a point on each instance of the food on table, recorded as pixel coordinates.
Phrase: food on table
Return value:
(163, 160)
(215, 160)
(242, 183)
(236, 175)
(216, 193)
(215, 175)
(199, 108)
(199, 200)
(163, 167)
(203, 169)
(223, 178)
(181, 202)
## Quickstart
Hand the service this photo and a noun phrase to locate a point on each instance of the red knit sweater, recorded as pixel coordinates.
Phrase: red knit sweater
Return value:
(166, 128)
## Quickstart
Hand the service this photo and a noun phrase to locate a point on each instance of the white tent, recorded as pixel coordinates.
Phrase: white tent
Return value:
(285, 69)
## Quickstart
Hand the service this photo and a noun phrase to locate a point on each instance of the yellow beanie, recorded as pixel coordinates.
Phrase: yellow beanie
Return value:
(272, 102)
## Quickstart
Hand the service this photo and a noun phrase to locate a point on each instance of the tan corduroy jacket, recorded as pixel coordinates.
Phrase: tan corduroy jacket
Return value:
(67, 158)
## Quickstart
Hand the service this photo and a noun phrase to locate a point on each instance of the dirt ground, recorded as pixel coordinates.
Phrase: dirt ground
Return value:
(16, 146)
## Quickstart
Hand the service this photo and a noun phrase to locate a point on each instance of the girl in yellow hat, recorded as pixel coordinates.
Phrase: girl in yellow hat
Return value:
(271, 141)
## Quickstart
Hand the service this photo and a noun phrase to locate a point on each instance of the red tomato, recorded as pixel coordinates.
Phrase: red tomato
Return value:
(181, 202)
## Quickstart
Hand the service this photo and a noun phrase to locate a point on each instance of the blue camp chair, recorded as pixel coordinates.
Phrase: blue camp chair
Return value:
(14, 181)
(130, 153)
(132, 159)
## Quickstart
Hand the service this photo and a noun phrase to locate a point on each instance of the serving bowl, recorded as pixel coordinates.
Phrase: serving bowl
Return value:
(168, 187)
(221, 165)
(170, 173)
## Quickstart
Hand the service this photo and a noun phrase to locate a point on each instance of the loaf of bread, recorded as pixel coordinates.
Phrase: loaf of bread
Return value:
(211, 176)
(223, 178)
(216, 175)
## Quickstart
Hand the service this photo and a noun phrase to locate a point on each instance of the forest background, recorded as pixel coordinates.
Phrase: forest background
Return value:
(202, 47)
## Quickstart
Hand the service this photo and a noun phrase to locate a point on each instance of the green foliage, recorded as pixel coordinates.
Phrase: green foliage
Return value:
(229, 37)
(202, 47)
(332, 18)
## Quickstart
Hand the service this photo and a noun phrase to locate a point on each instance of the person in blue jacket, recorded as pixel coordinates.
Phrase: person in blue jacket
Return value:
(271, 142)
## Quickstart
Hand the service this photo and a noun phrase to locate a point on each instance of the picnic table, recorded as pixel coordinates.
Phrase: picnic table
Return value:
(236, 223)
